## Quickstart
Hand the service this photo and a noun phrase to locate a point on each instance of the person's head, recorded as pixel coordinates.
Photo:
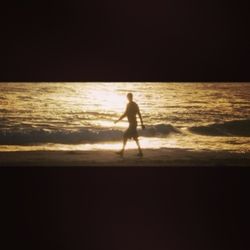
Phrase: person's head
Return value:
(130, 97)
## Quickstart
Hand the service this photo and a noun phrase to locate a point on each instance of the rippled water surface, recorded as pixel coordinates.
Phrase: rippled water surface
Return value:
(63, 116)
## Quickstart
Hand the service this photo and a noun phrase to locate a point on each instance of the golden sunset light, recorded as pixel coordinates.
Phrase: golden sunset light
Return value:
(83, 116)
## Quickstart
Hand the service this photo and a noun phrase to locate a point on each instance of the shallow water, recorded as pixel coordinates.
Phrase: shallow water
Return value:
(80, 116)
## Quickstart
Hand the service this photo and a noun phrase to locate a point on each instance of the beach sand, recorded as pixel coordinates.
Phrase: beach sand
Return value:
(152, 157)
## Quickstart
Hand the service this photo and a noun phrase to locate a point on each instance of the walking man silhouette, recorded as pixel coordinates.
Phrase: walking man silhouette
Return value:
(131, 112)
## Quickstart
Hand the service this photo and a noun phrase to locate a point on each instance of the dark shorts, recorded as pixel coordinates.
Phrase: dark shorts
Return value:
(131, 132)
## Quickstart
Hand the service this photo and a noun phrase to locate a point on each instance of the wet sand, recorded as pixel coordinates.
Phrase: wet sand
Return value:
(158, 158)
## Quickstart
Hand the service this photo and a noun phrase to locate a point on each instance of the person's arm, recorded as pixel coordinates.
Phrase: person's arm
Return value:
(122, 116)
(139, 113)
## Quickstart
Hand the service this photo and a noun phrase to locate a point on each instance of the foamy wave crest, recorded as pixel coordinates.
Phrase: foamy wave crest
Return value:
(231, 128)
(159, 130)
(83, 135)
(64, 137)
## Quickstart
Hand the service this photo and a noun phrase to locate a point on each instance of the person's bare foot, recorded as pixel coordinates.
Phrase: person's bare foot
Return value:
(120, 152)
(140, 154)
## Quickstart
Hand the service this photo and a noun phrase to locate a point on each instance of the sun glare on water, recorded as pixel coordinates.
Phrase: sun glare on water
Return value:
(107, 99)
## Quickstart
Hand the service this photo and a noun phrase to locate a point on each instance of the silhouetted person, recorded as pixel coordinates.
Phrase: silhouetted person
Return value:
(131, 111)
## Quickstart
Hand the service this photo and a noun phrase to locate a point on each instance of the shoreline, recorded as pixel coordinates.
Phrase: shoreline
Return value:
(164, 157)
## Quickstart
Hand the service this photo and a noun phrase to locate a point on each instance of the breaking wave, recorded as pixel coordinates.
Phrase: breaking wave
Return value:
(84, 135)
(231, 128)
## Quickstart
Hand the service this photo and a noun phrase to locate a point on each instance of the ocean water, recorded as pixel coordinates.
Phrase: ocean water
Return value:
(80, 116)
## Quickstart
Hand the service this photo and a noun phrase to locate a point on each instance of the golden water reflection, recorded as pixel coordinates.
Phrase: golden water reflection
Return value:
(194, 143)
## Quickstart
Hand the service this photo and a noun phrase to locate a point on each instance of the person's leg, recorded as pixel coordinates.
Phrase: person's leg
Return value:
(139, 148)
(125, 139)
(123, 146)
